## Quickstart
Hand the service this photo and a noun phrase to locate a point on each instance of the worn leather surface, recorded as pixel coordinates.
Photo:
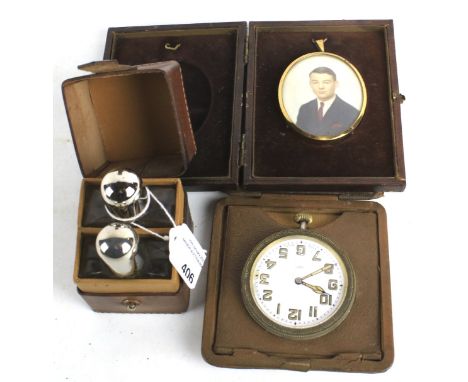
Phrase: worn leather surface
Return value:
(137, 115)
(363, 342)
(359, 333)
(208, 55)
(282, 152)
(144, 303)
(277, 158)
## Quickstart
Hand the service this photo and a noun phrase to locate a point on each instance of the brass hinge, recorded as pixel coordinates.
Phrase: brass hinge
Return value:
(241, 161)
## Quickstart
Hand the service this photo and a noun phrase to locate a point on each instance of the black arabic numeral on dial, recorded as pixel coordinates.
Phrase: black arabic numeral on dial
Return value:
(325, 299)
(312, 311)
(316, 256)
(267, 294)
(294, 314)
(264, 278)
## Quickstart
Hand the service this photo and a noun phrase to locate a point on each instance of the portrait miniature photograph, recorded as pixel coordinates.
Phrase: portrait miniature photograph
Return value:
(322, 95)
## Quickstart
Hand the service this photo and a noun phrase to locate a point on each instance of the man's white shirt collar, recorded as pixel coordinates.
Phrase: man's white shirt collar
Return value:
(326, 104)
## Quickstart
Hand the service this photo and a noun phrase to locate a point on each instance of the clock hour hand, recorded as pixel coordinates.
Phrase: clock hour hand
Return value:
(326, 267)
(315, 288)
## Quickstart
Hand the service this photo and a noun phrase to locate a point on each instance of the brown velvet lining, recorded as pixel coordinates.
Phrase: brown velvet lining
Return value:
(359, 334)
(208, 59)
(279, 151)
(95, 215)
(152, 260)
(120, 118)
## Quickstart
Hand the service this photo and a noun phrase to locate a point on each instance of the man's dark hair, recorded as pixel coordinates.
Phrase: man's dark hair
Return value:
(323, 70)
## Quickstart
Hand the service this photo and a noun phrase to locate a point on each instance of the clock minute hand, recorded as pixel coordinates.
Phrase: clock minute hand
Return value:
(324, 268)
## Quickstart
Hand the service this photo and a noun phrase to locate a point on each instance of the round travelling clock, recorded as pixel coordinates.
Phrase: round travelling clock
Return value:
(297, 283)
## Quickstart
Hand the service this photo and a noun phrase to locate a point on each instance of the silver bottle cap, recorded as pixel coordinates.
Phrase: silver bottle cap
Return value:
(124, 194)
(116, 245)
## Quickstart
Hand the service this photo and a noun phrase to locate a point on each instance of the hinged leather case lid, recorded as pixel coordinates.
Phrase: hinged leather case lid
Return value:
(125, 116)
(277, 157)
(212, 61)
(244, 140)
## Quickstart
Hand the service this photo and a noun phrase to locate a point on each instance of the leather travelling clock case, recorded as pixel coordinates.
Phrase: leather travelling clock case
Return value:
(231, 77)
(132, 117)
(363, 342)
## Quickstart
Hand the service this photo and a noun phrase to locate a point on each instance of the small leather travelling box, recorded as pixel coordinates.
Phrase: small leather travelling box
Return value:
(130, 117)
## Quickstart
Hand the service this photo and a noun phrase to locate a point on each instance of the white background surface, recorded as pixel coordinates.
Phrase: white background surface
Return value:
(55, 336)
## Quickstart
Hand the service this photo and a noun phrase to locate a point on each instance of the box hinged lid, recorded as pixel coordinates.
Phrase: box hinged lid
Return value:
(244, 140)
(125, 116)
(276, 157)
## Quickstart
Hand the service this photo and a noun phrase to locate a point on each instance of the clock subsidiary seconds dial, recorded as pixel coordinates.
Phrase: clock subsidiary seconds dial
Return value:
(297, 284)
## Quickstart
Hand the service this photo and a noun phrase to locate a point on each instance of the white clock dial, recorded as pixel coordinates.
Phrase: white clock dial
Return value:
(298, 285)
(282, 290)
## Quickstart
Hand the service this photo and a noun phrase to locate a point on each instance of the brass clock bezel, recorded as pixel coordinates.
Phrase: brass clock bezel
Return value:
(296, 333)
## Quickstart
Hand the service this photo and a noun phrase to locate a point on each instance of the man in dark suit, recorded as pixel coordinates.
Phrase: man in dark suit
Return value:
(327, 115)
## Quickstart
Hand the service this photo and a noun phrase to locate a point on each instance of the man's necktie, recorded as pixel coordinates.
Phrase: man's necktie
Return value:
(320, 112)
